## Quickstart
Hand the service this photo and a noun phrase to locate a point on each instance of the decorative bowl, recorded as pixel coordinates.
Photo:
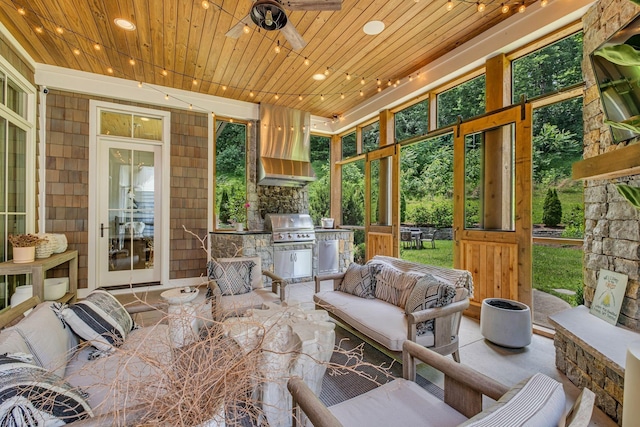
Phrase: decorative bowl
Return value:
(55, 288)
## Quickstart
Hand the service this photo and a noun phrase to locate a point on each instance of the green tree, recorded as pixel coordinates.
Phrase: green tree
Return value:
(224, 214)
(320, 196)
(403, 208)
(551, 209)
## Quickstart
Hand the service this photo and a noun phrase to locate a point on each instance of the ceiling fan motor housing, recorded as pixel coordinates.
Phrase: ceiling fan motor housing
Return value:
(268, 14)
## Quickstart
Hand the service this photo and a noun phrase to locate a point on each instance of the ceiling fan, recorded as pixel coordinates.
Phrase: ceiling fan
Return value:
(270, 15)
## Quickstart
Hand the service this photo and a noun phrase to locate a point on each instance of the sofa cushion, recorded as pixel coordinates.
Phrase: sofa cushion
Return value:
(51, 346)
(99, 319)
(397, 403)
(429, 292)
(536, 402)
(233, 277)
(123, 379)
(11, 342)
(392, 284)
(31, 395)
(360, 280)
(377, 319)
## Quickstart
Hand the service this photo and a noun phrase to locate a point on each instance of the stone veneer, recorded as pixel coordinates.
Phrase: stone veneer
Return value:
(612, 230)
(67, 178)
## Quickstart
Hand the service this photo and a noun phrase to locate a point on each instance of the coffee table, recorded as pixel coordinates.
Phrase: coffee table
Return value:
(296, 339)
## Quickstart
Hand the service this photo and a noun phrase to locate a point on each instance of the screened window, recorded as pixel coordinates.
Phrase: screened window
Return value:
(320, 190)
(371, 137)
(231, 173)
(130, 125)
(548, 69)
(412, 121)
(465, 100)
(349, 148)
(353, 193)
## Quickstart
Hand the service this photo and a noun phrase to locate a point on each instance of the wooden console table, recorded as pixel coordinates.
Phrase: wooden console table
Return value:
(38, 270)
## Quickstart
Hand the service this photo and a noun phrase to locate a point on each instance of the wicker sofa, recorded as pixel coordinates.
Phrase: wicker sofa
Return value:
(397, 300)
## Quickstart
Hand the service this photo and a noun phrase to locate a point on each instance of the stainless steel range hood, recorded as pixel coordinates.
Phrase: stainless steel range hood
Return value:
(284, 158)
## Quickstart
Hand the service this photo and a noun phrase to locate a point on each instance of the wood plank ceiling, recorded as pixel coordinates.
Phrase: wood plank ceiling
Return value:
(181, 44)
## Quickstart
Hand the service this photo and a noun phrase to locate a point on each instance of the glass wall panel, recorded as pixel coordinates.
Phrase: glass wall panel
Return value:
(17, 169)
(412, 121)
(147, 128)
(548, 69)
(116, 124)
(16, 99)
(231, 171)
(3, 79)
(466, 100)
(353, 193)
(349, 148)
(320, 190)
(3, 167)
(371, 137)
(380, 178)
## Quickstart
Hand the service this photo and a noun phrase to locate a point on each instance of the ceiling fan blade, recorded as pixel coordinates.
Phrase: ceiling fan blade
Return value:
(293, 36)
(312, 4)
(236, 31)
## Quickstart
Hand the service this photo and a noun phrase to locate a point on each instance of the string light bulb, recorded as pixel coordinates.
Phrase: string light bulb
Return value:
(277, 48)
(361, 93)
(276, 96)
(166, 96)
(389, 82)
(190, 106)
(522, 8)
(246, 29)
(21, 11)
(139, 84)
(378, 82)
(379, 89)
(410, 78)
(205, 4)
(224, 87)
(110, 70)
(39, 30)
(59, 30)
(194, 82)
(132, 61)
(251, 93)
(164, 73)
(76, 52)
(326, 72)
(362, 81)
(348, 76)
(97, 46)
(299, 97)
(481, 7)
(306, 61)
(505, 8)
(544, 3)
(397, 81)
(449, 5)
(342, 96)
(321, 97)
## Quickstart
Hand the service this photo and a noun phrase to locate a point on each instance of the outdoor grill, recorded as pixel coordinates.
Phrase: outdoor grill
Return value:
(290, 228)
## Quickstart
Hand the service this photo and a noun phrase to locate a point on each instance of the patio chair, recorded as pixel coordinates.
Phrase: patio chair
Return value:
(405, 238)
(540, 400)
(428, 237)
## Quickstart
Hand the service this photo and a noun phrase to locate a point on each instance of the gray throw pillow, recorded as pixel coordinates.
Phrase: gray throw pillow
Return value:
(429, 292)
(233, 278)
(359, 280)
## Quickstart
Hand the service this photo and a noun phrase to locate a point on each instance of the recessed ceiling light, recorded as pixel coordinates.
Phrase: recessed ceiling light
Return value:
(319, 76)
(124, 24)
(373, 27)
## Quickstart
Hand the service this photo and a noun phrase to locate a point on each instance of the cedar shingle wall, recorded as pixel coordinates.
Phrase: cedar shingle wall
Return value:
(67, 177)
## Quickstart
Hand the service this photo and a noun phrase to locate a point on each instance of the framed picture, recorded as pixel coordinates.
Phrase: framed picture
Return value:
(607, 301)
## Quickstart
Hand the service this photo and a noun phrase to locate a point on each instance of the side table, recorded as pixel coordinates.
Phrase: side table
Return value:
(39, 268)
(182, 317)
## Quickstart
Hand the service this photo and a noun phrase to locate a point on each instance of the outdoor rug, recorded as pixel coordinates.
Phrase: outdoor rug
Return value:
(338, 387)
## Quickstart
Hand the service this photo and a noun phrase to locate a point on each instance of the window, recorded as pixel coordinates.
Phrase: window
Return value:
(371, 137)
(466, 99)
(130, 125)
(349, 148)
(548, 69)
(17, 163)
(412, 121)
(320, 190)
(231, 173)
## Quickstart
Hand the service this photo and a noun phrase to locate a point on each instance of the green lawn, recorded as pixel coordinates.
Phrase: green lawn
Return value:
(553, 267)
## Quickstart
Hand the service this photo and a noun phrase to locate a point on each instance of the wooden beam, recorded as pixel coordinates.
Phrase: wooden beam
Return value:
(614, 164)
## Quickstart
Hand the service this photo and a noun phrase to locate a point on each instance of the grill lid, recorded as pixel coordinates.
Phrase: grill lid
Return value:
(288, 222)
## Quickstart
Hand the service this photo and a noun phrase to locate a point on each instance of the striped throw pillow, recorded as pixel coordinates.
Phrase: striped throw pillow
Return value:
(429, 292)
(100, 319)
(31, 395)
(393, 285)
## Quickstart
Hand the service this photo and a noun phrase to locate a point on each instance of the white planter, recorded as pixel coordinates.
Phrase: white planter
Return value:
(55, 288)
(506, 327)
(21, 294)
(239, 226)
(24, 255)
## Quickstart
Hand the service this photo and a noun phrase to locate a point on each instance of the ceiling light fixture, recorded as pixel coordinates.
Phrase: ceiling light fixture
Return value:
(319, 77)
(379, 89)
(194, 82)
(224, 88)
(125, 24)
(378, 82)
(276, 96)
(373, 28)
(342, 96)
(321, 97)
(251, 94)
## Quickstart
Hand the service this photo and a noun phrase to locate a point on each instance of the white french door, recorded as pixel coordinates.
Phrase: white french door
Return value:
(129, 212)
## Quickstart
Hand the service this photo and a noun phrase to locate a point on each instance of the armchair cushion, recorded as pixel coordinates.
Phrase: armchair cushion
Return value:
(232, 277)
(538, 401)
(31, 395)
(99, 319)
(429, 292)
(360, 280)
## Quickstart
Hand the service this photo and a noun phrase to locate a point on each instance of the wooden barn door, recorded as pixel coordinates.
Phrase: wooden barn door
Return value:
(492, 204)
(381, 171)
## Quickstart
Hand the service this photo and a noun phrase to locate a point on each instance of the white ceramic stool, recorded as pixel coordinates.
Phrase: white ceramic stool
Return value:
(182, 317)
(506, 322)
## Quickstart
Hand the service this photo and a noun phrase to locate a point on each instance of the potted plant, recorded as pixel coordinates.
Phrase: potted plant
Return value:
(24, 247)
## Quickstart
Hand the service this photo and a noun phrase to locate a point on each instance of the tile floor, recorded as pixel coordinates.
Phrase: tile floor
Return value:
(508, 366)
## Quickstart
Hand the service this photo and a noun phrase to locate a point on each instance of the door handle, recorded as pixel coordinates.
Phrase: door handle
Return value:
(102, 228)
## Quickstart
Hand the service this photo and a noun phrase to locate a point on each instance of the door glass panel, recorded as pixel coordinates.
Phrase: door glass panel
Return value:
(3, 165)
(17, 170)
(116, 124)
(131, 209)
(147, 128)
(380, 171)
(489, 179)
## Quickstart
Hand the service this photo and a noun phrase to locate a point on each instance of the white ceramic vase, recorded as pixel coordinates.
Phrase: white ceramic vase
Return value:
(21, 294)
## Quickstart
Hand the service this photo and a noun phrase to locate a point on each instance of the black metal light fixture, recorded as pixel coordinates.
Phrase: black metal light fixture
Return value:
(268, 14)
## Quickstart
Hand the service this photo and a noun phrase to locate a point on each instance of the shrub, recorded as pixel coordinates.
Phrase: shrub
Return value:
(551, 209)
(358, 254)
(224, 215)
(437, 213)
